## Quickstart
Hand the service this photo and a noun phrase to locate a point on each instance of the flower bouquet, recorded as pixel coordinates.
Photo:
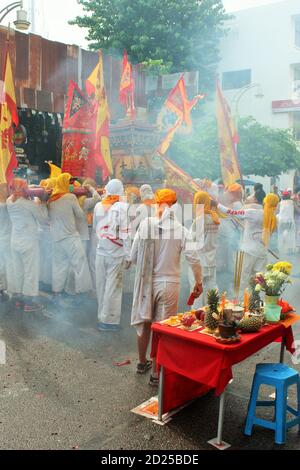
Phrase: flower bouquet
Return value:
(273, 282)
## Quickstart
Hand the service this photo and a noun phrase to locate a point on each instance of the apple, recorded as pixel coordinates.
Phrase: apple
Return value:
(200, 314)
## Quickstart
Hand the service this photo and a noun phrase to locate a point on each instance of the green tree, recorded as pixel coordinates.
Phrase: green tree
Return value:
(262, 150)
(178, 35)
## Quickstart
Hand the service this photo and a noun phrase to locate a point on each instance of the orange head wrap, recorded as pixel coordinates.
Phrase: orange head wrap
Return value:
(165, 196)
(235, 188)
(271, 202)
(204, 199)
(18, 188)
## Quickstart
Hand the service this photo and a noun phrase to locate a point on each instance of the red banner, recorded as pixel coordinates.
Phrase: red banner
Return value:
(78, 136)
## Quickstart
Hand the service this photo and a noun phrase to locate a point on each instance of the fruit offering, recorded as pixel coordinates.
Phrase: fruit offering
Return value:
(188, 320)
(250, 324)
(200, 315)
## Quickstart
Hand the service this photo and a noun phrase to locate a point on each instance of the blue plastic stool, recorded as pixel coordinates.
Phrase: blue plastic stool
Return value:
(281, 377)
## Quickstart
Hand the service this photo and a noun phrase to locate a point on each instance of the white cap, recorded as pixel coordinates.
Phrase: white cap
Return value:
(114, 188)
(146, 192)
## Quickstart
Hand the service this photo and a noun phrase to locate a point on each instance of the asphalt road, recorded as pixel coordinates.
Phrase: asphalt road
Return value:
(60, 389)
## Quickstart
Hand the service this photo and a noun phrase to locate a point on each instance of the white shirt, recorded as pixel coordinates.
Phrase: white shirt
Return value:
(207, 240)
(25, 216)
(112, 230)
(171, 240)
(253, 214)
(286, 212)
(65, 214)
(5, 224)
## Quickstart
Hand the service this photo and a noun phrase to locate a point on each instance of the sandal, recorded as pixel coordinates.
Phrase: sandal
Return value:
(154, 381)
(143, 368)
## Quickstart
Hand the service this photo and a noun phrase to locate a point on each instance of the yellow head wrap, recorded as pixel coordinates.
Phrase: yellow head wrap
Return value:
(204, 198)
(62, 186)
(270, 223)
(165, 196)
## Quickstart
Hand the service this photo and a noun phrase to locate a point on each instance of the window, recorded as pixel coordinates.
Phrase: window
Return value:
(236, 79)
(296, 125)
(297, 31)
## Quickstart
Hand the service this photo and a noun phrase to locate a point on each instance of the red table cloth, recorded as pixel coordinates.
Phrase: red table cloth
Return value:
(195, 363)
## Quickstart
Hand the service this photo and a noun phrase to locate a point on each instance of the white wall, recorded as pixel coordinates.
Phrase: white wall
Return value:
(262, 39)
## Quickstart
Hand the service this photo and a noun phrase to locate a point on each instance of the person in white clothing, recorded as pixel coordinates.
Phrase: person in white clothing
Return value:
(89, 203)
(260, 223)
(111, 225)
(286, 225)
(6, 270)
(68, 251)
(204, 232)
(229, 234)
(25, 216)
(156, 251)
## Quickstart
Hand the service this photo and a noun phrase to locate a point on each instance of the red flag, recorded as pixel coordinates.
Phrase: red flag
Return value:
(8, 117)
(78, 137)
(127, 87)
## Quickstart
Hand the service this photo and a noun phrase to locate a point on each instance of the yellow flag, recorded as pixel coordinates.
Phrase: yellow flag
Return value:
(229, 159)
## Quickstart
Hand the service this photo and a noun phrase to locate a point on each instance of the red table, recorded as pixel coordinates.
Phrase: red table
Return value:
(195, 362)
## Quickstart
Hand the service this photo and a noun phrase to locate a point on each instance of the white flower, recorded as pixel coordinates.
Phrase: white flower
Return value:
(258, 288)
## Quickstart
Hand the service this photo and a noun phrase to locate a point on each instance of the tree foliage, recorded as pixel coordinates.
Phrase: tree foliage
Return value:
(263, 151)
(182, 35)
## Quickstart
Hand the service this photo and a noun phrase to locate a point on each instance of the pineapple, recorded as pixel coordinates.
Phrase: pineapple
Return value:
(254, 301)
(250, 324)
(213, 299)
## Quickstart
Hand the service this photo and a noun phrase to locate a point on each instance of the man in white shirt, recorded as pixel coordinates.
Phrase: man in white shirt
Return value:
(156, 251)
(111, 224)
(68, 251)
(25, 216)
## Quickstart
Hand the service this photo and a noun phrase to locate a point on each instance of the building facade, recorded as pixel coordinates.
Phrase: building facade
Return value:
(260, 66)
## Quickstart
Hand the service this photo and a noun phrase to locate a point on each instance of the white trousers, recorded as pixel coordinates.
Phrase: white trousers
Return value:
(165, 299)
(45, 257)
(209, 281)
(251, 266)
(26, 267)
(6, 267)
(69, 255)
(109, 287)
(92, 249)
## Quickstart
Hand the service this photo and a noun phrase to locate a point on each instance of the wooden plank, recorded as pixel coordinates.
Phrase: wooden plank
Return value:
(35, 62)
(22, 62)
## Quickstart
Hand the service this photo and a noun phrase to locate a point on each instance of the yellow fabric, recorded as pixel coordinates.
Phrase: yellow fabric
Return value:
(271, 202)
(55, 171)
(97, 79)
(5, 155)
(165, 196)
(43, 183)
(228, 155)
(62, 186)
(204, 199)
(51, 183)
(7, 120)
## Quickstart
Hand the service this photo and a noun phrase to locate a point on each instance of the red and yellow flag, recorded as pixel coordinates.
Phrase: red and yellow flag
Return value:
(165, 144)
(8, 118)
(178, 103)
(228, 138)
(102, 147)
(127, 86)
